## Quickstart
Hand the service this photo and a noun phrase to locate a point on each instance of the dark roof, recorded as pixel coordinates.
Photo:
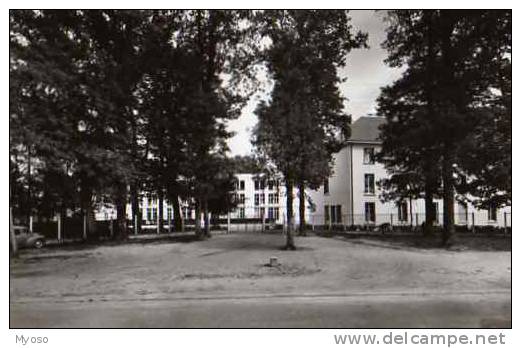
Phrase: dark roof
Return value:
(366, 129)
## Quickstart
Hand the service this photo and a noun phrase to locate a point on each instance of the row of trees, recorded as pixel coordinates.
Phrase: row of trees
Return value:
(449, 117)
(111, 103)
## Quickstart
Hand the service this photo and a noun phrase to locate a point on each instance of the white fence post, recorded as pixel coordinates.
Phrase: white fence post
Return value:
(31, 223)
(59, 228)
(228, 223)
(169, 221)
(157, 221)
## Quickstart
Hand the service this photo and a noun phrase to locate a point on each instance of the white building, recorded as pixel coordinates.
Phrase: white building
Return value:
(351, 195)
(258, 196)
(261, 196)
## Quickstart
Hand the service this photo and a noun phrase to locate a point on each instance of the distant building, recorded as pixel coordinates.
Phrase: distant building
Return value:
(263, 196)
(351, 195)
(257, 196)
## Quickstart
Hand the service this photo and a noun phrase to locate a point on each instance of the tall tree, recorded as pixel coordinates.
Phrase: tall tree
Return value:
(303, 123)
(438, 104)
(74, 73)
(222, 52)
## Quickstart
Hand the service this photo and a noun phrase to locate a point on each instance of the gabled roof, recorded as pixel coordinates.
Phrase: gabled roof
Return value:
(366, 129)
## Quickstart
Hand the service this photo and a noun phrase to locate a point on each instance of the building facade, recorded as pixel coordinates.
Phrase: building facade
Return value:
(351, 195)
(257, 196)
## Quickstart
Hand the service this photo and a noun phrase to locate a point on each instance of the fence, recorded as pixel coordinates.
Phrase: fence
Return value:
(75, 227)
(471, 222)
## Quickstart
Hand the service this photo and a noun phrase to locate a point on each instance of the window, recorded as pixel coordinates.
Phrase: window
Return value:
(187, 213)
(271, 184)
(273, 213)
(369, 183)
(436, 213)
(402, 211)
(241, 185)
(259, 199)
(169, 213)
(326, 214)
(273, 198)
(369, 155)
(336, 214)
(492, 214)
(241, 213)
(154, 214)
(370, 213)
(259, 184)
(463, 212)
(259, 212)
(149, 214)
(242, 198)
(326, 186)
(332, 214)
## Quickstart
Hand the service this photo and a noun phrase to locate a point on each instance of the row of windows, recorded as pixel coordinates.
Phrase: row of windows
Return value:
(258, 198)
(333, 213)
(273, 198)
(258, 184)
(273, 213)
(369, 184)
(152, 214)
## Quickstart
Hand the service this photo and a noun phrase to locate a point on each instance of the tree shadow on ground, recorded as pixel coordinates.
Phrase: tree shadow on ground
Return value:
(80, 245)
(462, 242)
(251, 241)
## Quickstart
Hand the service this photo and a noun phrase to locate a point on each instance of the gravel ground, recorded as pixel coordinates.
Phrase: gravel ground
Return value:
(235, 264)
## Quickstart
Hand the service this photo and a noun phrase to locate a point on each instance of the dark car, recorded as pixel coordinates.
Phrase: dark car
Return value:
(26, 239)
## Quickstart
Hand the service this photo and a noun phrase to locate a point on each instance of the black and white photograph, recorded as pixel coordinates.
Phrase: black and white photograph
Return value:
(261, 169)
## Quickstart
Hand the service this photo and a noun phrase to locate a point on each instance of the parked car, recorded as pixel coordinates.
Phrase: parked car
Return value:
(26, 239)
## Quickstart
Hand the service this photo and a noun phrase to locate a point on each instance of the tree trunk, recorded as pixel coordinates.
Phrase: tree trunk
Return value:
(136, 211)
(198, 231)
(410, 211)
(178, 223)
(12, 238)
(430, 211)
(206, 219)
(160, 208)
(121, 231)
(290, 243)
(86, 206)
(448, 198)
(29, 184)
(91, 222)
(302, 209)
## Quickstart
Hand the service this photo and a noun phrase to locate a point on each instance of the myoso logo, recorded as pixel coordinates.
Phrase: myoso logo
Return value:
(31, 339)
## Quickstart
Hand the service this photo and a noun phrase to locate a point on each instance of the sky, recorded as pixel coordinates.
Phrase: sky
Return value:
(366, 72)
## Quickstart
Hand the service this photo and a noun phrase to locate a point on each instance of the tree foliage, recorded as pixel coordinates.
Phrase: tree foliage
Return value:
(441, 110)
(303, 122)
